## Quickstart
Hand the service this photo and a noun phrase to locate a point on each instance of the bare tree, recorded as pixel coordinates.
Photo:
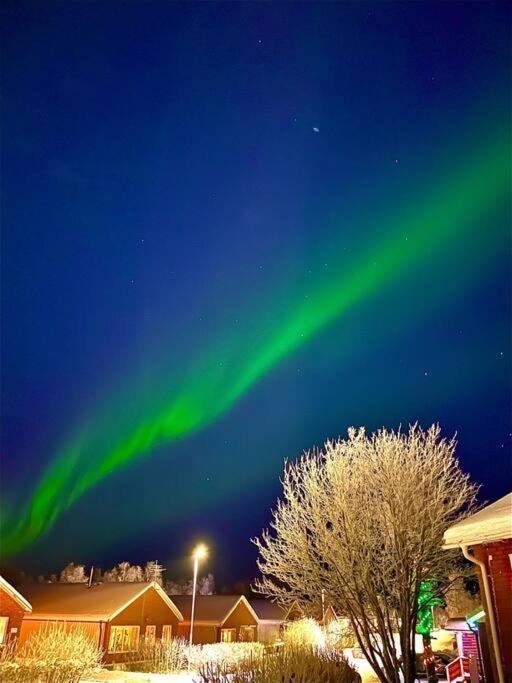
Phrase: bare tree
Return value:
(363, 521)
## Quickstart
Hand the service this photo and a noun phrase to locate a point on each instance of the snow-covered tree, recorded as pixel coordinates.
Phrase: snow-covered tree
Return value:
(125, 572)
(363, 522)
(111, 575)
(73, 573)
(461, 599)
(153, 572)
(205, 586)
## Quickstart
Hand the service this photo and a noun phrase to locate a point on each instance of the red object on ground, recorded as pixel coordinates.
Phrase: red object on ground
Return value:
(458, 670)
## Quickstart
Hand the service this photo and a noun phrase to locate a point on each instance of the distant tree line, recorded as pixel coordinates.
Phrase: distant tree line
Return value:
(126, 572)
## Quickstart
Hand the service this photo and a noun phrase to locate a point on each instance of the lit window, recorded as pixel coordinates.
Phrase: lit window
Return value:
(166, 633)
(150, 635)
(227, 635)
(3, 629)
(123, 639)
(247, 633)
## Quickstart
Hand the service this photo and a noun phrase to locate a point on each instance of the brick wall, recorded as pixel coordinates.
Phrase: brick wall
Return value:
(11, 609)
(498, 559)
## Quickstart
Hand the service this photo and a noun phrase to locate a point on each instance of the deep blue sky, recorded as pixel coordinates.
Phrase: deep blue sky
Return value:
(166, 168)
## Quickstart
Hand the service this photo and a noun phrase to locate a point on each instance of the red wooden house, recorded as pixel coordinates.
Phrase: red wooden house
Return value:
(13, 607)
(117, 617)
(217, 618)
(271, 619)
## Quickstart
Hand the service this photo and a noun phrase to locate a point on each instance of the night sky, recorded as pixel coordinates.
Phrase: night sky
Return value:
(229, 232)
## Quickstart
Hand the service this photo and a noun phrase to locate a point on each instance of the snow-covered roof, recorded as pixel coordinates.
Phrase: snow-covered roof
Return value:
(79, 602)
(211, 609)
(17, 597)
(267, 610)
(492, 523)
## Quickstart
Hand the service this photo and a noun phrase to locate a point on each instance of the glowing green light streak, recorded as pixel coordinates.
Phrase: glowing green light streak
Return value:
(468, 195)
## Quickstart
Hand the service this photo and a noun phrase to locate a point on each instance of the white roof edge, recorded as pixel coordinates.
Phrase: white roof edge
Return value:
(241, 599)
(49, 616)
(492, 523)
(162, 594)
(18, 597)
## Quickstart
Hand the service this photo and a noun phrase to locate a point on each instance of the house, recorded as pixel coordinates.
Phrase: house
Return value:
(217, 618)
(271, 619)
(485, 539)
(118, 617)
(13, 607)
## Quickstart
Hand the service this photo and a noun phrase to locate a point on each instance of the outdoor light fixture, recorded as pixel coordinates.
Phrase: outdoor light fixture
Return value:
(200, 552)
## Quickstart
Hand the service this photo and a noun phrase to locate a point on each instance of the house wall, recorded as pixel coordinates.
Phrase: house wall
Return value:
(210, 633)
(148, 609)
(203, 634)
(11, 609)
(270, 632)
(241, 616)
(498, 560)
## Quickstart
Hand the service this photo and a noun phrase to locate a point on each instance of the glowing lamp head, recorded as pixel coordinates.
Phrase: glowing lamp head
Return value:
(200, 552)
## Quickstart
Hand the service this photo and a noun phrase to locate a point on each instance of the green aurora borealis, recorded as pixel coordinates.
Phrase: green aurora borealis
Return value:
(475, 185)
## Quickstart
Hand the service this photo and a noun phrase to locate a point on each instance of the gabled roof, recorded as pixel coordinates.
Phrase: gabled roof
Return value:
(211, 609)
(330, 609)
(492, 523)
(78, 602)
(267, 610)
(18, 597)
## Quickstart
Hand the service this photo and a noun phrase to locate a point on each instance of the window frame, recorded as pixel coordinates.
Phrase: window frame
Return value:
(166, 633)
(4, 629)
(119, 629)
(150, 639)
(252, 629)
(228, 630)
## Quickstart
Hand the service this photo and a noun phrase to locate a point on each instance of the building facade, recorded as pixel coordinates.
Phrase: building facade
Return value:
(217, 619)
(117, 617)
(13, 607)
(485, 539)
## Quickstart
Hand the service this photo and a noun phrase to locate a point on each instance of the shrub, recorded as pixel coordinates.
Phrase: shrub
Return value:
(161, 657)
(52, 655)
(300, 665)
(304, 633)
(225, 655)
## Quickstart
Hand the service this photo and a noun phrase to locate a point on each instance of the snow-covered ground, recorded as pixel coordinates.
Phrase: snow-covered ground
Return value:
(131, 677)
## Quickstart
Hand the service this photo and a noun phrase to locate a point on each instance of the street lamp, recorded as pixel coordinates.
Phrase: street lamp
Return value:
(200, 552)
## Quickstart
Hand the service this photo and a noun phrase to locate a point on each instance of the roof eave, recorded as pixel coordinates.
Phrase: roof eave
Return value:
(450, 544)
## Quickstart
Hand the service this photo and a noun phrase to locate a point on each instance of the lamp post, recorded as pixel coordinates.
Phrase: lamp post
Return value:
(200, 552)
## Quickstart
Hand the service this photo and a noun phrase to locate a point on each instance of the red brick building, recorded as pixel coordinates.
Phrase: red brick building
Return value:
(118, 617)
(13, 607)
(486, 540)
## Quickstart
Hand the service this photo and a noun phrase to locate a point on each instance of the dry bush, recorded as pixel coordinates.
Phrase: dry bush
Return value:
(339, 635)
(173, 657)
(225, 655)
(160, 657)
(297, 664)
(304, 633)
(51, 655)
